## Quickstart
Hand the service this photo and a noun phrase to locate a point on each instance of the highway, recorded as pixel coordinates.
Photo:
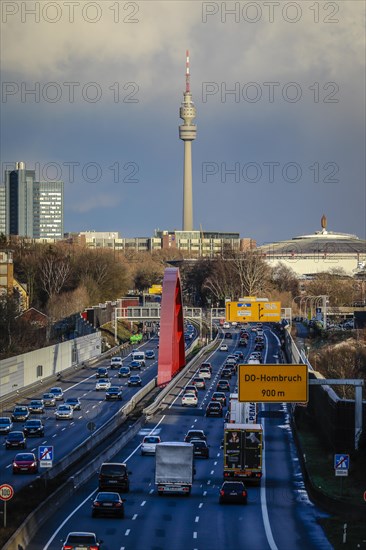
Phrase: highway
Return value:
(278, 514)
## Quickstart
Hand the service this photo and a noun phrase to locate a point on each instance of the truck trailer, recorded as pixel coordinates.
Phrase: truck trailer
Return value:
(174, 467)
(243, 445)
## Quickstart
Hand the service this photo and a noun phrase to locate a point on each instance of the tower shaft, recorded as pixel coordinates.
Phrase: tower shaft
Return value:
(187, 188)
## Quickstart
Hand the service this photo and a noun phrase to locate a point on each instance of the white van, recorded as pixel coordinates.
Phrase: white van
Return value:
(139, 356)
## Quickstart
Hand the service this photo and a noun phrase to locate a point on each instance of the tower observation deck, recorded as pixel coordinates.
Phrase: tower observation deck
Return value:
(187, 133)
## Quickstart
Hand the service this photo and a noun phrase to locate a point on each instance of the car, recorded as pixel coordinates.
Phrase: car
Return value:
(103, 384)
(135, 365)
(232, 359)
(214, 408)
(64, 412)
(34, 427)
(199, 382)
(191, 388)
(234, 324)
(224, 347)
(206, 366)
(226, 372)
(81, 539)
(58, 393)
(36, 406)
(114, 392)
(222, 385)
(102, 372)
(189, 399)
(259, 346)
(115, 476)
(110, 504)
(49, 400)
(200, 448)
(239, 354)
(134, 380)
(6, 425)
(220, 397)
(116, 362)
(242, 342)
(204, 372)
(15, 440)
(226, 325)
(228, 335)
(150, 354)
(25, 462)
(20, 413)
(195, 434)
(148, 445)
(124, 372)
(74, 403)
(233, 491)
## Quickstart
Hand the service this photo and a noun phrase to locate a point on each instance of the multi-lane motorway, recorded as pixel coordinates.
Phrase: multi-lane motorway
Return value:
(278, 514)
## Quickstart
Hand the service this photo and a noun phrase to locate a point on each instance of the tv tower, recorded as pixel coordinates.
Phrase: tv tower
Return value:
(187, 133)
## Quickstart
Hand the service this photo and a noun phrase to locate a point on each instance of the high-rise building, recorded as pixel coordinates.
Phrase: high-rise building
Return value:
(33, 208)
(2, 210)
(187, 133)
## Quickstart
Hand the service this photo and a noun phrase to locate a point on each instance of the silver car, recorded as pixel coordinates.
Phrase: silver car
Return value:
(64, 412)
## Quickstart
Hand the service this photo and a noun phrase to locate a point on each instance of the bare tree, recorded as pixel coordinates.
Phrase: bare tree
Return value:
(53, 274)
(253, 273)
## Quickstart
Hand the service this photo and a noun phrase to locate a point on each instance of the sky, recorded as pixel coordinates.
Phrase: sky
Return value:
(91, 94)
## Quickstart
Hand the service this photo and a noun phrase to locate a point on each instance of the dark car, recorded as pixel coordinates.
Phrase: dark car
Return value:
(34, 427)
(226, 372)
(86, 541)
(136, 365)
(233, 491)
(220, 397)
(200, 448)
(25, 463)
(15, 440)
(242, 342)
(110, 504)
(259, 346)
(114, 392)
(134, 380)
(20, 413)
(195, 434)
(214, 408)
(228, 335)
(223, 385)
(74, 403)
(124, 371)
(36, 406)
(102, 372)
(6, 425)
(150, 354)
(114, 475)
(207, 366)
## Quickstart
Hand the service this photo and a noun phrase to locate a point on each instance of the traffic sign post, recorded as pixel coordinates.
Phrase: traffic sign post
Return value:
(45, 456)
(253, 310)
(6, 493)
(341, 467)
(273, 383)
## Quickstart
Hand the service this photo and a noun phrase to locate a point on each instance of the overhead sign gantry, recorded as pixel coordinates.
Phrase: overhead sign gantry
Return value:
(254, 310)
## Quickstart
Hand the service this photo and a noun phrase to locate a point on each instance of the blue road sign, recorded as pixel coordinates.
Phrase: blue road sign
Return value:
(45, 453)
(341, 462)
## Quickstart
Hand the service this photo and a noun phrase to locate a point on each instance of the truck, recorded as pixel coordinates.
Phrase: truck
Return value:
(242, 412)
(243, 444)
(174, 467)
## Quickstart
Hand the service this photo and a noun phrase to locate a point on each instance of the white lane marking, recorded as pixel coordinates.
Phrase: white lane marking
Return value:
(215, 463)
(194, 534)
(204, 493)
(143, 503)
(209, 482)
(134, 516)
(211, 473)
(127, 532)
(54, 435)
(196, 519)
(200, 505)
(267, 525)
(151, 491)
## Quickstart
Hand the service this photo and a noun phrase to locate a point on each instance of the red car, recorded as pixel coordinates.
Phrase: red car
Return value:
(25, 462)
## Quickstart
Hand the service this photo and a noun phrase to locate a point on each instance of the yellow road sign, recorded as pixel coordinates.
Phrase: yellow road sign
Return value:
(273, 383)
(259, 311)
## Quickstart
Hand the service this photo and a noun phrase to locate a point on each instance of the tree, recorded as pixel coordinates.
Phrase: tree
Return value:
(336, 285)
(9, 311)
(253, 274)
(284, 279)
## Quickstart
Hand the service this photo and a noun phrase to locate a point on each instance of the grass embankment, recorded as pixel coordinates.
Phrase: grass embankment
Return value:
(349, 490)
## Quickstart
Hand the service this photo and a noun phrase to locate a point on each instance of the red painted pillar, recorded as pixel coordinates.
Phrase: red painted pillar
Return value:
(171, 341)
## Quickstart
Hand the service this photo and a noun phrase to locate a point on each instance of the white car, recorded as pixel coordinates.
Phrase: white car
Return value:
(224, 347)
(204, 372)
(116, 362)
(226, 325)
(189, 399)
(149, 443)
(64, 412)
(102, 384)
